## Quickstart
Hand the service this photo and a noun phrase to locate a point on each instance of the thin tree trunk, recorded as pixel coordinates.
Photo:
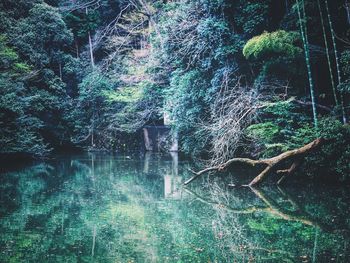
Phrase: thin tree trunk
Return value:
(92, 137)
(336, 60)
(288, 171)
(328, 55)
(314, 251)
(90, 45)
(93, 127)
(62, 218)
(303, 30)
(91, 51)
(93, 241)
(347, 8)
(92, 133)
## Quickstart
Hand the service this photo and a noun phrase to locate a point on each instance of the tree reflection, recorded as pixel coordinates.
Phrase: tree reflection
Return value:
(246, 216)
(103, 208)
(94, 206)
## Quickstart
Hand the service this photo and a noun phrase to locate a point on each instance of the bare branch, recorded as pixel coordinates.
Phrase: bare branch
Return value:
(270, 164)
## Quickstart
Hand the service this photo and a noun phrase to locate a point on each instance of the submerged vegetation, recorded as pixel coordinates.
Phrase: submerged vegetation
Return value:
(236, 78)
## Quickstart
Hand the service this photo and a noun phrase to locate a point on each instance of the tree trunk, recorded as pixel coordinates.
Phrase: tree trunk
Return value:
(336, 60)
(93, 241)
(91, 51)
(327, 54)
(287, 6)
(347, 8)
(90, 45)
(92, 130)
(303, 31)
(271, 164)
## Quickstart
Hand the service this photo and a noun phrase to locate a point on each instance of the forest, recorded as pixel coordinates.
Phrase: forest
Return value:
(251, 79)
(174, 131)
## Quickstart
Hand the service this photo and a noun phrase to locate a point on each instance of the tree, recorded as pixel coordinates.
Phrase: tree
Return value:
(303, 30)
(334, 89)
(20, 129)
(41, 36)
(336, 59)
(91, 107)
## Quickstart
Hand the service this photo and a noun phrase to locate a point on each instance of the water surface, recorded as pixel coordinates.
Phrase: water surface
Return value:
(107, 208)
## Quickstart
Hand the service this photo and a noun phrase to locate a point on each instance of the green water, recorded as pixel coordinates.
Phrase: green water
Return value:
(104, 208)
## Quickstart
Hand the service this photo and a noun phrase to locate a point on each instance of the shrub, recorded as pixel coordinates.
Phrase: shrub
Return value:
(275, 43)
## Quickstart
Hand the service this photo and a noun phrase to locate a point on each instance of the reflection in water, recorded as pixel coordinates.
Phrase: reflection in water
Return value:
(172, 180)
(103, 208)
(272, 218)
(170, 170)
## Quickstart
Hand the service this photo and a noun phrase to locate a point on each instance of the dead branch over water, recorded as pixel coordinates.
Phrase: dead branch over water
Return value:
(270, 165)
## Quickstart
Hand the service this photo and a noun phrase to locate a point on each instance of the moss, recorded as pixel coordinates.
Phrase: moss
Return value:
(279, 42)
(21, 67)
(266, 130)
(9, 54)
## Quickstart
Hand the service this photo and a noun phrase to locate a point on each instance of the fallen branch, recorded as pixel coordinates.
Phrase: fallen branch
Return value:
(272, 207)
(299, 215)
(247, 210)
(288, 171)
(271, 164)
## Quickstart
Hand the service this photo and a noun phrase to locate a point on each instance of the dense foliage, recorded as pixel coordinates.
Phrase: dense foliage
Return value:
(93, 73)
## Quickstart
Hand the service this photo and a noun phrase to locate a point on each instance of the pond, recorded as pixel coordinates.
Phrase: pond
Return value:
(108, 208)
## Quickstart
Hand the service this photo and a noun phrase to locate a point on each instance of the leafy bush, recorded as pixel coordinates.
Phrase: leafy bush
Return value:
(284, 128)
(345, 67)
(276, 43)
(331, 162)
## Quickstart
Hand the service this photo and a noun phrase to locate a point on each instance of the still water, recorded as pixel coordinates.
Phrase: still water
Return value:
(105, 208)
